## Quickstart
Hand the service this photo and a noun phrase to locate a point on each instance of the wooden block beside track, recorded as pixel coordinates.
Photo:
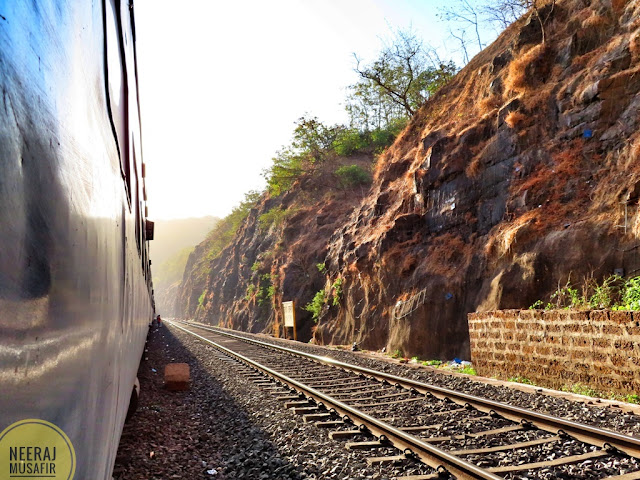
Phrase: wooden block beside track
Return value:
(176, 377)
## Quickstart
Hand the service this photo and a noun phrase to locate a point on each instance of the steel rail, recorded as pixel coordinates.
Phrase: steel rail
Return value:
(585, 433)
(432, 456)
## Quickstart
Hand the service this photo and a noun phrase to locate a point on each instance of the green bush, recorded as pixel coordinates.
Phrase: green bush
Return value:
(312, 142)
(287, 167)
(337, 291)
(381, 138)
(350, 176)
(607, 294)
(350, 141)
(267, 288)
(631, 295)
(315, 306)
(614, 293)
(632, 398)
(201, 298)
(251, 288)
(276, 216)
(432, 363)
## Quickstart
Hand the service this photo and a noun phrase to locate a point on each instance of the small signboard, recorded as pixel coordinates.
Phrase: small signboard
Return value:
(290, 316)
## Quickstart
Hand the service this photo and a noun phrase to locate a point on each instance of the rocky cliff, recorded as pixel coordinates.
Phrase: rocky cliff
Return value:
(276, 255)
(522, 172)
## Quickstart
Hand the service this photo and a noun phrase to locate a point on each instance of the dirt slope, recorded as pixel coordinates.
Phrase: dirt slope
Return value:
(512, 179)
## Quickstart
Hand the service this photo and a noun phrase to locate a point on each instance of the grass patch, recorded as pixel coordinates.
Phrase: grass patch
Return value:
(432, 363)
(632, 398)
(397, 353)
(614, 293)
(519, 379)
(582, 389)
(468, 370)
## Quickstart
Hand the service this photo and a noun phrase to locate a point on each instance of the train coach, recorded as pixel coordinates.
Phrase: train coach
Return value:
(75, 283)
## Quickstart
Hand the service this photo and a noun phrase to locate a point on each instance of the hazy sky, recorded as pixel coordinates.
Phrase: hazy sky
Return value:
(222, 83)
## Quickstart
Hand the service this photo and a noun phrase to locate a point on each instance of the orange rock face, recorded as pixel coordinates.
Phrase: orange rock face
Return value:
(520, 174)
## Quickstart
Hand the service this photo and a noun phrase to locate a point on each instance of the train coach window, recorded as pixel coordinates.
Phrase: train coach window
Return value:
(117, 88)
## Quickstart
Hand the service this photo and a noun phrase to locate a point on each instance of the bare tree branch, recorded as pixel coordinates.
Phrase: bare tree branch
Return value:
(463, 44)
(464, 13)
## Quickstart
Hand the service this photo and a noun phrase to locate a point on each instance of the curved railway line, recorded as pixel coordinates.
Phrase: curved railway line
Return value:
(457, 435)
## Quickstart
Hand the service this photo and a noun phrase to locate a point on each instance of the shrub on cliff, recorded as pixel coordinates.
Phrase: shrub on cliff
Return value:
(276, 216)
(350, 141)
(316, 305)
(350, 176)
(224, 231)
(312, 143)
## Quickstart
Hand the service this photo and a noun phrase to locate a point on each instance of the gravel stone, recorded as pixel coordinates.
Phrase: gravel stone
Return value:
(226, 427)
(594, 413)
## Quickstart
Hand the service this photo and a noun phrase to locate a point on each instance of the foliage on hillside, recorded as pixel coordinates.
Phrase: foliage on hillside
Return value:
(397, 83)
(225, 229)
(171, 270)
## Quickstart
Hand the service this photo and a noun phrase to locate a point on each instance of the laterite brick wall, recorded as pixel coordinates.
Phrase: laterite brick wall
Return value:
(600, 349)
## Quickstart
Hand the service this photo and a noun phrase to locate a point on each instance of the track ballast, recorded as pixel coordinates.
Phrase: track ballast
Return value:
(455, 434)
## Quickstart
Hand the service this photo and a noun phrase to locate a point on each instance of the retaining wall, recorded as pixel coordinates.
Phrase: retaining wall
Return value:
(598, 348)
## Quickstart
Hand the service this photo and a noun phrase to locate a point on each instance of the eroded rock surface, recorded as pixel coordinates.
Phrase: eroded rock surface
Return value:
(512, 179)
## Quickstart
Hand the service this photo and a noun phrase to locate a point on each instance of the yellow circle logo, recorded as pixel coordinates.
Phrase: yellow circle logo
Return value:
(36, 449)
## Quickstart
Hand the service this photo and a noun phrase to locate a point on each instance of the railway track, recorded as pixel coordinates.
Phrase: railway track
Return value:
(456, 434)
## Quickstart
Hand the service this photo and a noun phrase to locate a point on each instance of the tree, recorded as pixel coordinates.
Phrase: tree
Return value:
(504, 12)
(542, 9)
(313, 138)
(312, 142)
(397, 83)
(463, 12)
(500, 13)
